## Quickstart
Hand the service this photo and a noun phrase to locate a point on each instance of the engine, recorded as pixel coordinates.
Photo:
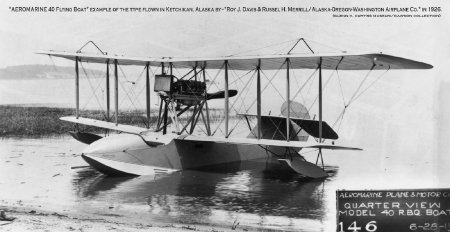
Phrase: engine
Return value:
(186, 92)
(188, 87)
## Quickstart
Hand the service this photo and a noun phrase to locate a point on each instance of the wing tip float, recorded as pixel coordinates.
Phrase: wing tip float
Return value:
(303, 167)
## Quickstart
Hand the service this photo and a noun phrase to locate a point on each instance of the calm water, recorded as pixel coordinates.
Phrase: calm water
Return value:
(37, 172)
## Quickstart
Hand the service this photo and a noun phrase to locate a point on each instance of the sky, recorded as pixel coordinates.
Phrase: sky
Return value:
(218, 34)
(215, 34)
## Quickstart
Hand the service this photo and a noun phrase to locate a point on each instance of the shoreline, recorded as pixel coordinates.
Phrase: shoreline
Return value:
(22, 121)
(28, 218)
(37, 121)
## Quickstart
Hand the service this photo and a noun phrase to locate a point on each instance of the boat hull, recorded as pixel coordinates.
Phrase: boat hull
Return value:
(128, 154)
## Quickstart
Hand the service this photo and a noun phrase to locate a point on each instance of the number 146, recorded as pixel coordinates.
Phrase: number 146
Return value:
(370, 227)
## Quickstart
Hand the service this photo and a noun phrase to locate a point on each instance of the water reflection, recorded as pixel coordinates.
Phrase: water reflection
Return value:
(213, 194)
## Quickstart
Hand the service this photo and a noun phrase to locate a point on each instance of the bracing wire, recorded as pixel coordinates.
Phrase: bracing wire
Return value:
(303, 86)
(127, 93)
(340, 118)
(323, 88)
(90, 42)
(360, 85)
(94, 90)
(265, 86)
(372, 83)
(233, 103)
(242, 105)
(139, 93)
(261, 48)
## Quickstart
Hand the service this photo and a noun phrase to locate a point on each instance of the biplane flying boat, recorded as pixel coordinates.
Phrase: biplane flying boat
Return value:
(145, 151)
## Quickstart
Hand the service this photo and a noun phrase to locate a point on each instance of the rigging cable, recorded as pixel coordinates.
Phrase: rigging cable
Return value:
(324, 86)
(341, 116)
(234, 102)
(265, 87)
(90, 42)
(303, 86)
(352, 98)
(136, 96)
(94, 91)
(242, 105)
(127, 95)
(261, 48)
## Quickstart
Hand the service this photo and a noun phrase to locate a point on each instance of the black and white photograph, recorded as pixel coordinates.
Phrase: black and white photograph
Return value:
(197, 115)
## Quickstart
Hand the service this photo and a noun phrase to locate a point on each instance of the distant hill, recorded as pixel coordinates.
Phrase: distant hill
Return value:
(26, 72)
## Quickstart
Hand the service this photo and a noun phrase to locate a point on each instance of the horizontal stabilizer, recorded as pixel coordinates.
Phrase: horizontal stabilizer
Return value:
(308, 125)
(312, 127)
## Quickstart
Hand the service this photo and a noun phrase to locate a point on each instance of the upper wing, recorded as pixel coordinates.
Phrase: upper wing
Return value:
(342, 61)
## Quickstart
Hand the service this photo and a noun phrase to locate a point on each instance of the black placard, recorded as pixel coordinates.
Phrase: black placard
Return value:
(393, 210)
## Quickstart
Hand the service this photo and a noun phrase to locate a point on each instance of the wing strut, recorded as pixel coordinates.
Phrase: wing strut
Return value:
(147, 92)
(207, 123)
(320, 100)
(107, 91)
(166, 105)
(288, 101)
(77, 88)
(226, 99)
(320, 113)
(116, 93)
(258, 98)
